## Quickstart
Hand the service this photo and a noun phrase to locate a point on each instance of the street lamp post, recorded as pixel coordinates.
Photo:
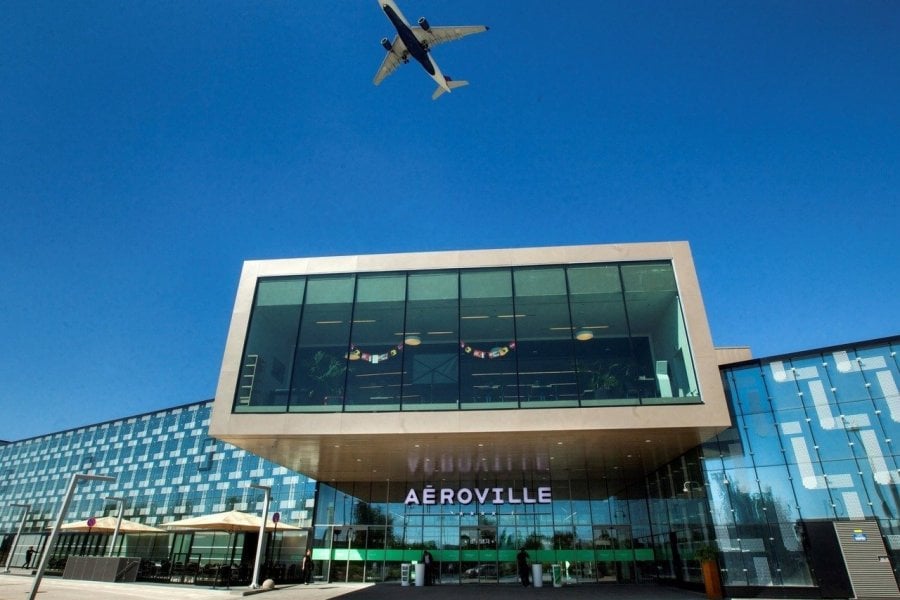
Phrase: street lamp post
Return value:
(262, 532)
(121, 502)
(76, 479)
(12, 550)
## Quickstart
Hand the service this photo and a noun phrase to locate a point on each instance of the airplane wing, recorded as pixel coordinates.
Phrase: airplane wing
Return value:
(392, 60)
(439, 35)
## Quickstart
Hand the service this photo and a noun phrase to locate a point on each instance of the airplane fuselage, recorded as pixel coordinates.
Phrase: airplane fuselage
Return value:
(409, 38)
(413, 46)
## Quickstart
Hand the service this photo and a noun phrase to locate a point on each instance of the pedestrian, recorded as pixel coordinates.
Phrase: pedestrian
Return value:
(306, 567)
(428, 561)
(522, 564)
(29, 554)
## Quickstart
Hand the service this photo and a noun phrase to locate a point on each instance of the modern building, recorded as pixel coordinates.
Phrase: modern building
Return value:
(167, 468)
(802, 491)
(565, 400)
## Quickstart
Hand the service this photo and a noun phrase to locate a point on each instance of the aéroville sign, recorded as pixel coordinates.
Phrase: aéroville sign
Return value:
(498, 495)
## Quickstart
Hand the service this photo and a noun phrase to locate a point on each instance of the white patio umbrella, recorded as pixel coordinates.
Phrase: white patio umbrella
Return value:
(232, 520)
(108, 525)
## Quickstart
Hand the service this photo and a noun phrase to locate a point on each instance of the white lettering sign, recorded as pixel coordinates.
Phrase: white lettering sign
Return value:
(431, 496)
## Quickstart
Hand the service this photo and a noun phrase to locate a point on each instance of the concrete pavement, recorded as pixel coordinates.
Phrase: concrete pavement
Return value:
(16, 587)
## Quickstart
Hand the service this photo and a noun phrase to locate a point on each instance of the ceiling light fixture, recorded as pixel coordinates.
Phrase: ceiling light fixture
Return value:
(412, 340)
(583, 335)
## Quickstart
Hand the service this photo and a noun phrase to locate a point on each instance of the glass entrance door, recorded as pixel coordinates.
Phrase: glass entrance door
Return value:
(358, 552)
(478, 554)
(614, 552)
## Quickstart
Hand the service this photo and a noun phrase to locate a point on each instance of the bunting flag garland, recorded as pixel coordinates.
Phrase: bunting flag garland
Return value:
(495, 352)
(357, 354)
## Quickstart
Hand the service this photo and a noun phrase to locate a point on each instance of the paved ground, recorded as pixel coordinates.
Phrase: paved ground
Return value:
(17, 586)
(504, 592)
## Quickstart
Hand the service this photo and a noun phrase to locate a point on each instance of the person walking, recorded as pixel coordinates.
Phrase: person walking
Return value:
(522, 564)
(306, 567)
(29, 554)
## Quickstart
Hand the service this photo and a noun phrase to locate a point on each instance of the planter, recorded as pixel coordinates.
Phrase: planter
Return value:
(711, 579)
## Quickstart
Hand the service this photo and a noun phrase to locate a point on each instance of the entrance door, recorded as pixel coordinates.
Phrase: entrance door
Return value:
(478, 554)
(613, 549)
(358, 552)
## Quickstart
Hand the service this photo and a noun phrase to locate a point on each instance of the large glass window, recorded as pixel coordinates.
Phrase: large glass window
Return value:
(377, 343)
(600, 328)
(654, 312)
(487, 372)
(544, 338)
(431, 343)
(537, 336)
(265, 369)
(323, 346)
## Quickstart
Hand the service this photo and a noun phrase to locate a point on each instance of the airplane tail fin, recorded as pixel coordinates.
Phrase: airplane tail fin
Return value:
(451, 84)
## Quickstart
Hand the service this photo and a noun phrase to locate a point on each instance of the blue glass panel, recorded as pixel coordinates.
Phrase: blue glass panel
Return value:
(849, 489)
(846, 376)
(796, 435)
(782, 386)
(748, 390)
(719, 498)
(760, 435)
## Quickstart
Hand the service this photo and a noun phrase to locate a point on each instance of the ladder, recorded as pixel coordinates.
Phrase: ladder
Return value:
(248, 376)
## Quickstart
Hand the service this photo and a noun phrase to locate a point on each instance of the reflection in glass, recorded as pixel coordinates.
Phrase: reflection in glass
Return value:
(487, 368)
(431, 353)
(544, 341)
(550, 336)
(265, 368)
(377, 343)
(320, 365)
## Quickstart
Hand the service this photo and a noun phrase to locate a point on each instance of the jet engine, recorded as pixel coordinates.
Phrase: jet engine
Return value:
(386, 43)
(423, 23)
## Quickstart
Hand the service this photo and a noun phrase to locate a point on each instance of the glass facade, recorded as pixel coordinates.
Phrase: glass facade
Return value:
(599, 529)
(463, 339)
(167, 468)
(813, 440)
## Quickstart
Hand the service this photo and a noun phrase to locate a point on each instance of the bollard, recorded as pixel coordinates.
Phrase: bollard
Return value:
(537, 575)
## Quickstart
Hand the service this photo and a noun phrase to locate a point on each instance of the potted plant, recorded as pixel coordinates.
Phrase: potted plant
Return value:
(708, 555)
(325, 376)
(603, 380)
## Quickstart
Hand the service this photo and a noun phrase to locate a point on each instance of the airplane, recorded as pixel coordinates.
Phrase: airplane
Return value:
(416, 42)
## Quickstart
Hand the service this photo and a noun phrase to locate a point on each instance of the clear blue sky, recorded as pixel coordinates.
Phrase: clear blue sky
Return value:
(148, 148)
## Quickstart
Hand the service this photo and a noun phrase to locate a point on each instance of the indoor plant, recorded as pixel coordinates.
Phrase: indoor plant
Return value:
(707, 554)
